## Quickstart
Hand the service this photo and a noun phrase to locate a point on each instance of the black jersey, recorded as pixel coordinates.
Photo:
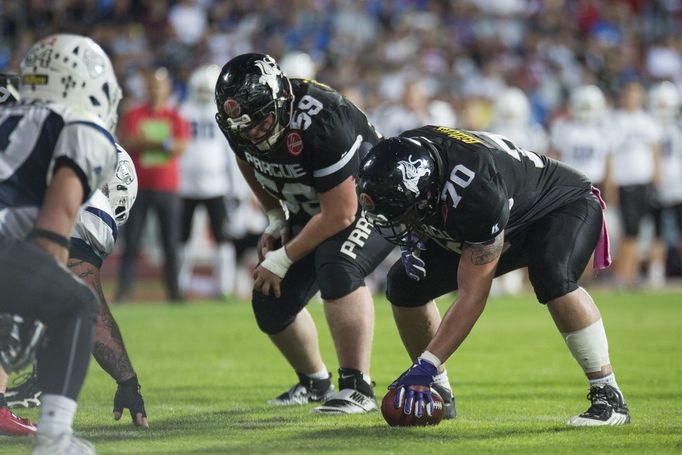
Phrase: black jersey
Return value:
(318, 151)
(491, 185)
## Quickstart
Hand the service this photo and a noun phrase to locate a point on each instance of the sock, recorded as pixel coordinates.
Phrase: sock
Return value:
(322, 374)
(56, 415)
(225, 268)
(442, 379)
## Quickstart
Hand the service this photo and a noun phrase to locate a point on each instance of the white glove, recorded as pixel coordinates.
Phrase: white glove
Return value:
(277, 262)
(277, 223)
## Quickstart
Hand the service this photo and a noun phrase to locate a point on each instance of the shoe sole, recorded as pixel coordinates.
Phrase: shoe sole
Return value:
(24, 404)
(615, 420)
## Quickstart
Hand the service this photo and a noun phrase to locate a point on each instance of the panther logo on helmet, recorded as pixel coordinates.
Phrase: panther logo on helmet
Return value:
(270, 71)
(366, 202)
(412, 171)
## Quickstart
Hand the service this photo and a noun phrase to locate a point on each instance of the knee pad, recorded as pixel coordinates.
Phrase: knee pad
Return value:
(401, 290)
(551, 285)
(272, 315)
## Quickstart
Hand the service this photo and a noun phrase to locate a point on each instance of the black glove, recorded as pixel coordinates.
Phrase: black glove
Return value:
(128, 396)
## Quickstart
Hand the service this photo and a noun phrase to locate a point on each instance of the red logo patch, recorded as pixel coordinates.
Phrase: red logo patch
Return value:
(294, 143)
(366, 202)
(232, 108)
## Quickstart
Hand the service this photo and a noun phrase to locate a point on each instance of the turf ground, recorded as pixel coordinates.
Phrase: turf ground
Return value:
(206, 373)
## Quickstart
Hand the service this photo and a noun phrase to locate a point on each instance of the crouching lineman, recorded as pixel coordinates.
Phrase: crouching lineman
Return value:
(57, 148)
(469, 206)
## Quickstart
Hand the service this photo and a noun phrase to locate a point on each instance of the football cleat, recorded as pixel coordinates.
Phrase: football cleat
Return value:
(307, 390)
(608, 408)
(449, 405)
(64, 444)
(12, 425)
(26, 394)
(355, 396)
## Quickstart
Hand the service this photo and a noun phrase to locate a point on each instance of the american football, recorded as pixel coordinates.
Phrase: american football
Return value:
(396, 418)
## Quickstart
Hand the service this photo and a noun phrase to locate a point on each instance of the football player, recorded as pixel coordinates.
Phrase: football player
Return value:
(634, 169)
(664, 104)
(205, 169)
(469, 206)
(57, 148)
(298, 145)
(10, 424)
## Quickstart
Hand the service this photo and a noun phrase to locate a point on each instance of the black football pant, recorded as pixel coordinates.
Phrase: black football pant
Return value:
(35, 286)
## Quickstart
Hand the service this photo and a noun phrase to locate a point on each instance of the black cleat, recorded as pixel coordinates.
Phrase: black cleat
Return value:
(26, 394)
(307, 390)
(608, 408)
(355, 396)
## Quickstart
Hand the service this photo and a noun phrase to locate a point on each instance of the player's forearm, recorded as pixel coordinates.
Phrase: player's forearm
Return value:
(455, 326)
(316, 231)
(108, 349)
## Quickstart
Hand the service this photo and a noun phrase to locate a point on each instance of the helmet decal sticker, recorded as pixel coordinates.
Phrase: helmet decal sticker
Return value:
(366, 202)
(412, 171)
(232, 108)
(270, 72)
(294, 143)
(125, 172)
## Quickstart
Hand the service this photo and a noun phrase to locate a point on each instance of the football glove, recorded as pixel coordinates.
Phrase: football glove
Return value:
(128, 396)
(420, 374)
(409, 255)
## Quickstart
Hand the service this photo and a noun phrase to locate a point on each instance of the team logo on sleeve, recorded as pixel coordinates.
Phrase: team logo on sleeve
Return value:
(412, 171)
(294, 143)
(232, 108)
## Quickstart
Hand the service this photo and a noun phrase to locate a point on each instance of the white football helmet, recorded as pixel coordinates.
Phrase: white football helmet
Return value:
(202, 83)
(121, 189)
(512, 107)
(664, 101)
(72, 70)
(587, 103)
(298, 65)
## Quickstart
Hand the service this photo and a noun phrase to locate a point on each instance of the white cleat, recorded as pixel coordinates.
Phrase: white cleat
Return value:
(608, 408)
(64, 444)
(347, 401)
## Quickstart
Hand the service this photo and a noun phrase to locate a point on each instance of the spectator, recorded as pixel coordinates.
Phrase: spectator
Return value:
(155, 135)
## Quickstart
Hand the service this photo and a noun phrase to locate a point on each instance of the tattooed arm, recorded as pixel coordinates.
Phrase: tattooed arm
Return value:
(474, 277)
(108, 350)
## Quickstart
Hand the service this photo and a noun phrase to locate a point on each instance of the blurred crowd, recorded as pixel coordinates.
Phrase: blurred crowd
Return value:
(509, 66)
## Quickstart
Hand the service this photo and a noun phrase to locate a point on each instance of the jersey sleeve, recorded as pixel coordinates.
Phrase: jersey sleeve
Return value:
(89, 149)
(95, 233)
(336, 151)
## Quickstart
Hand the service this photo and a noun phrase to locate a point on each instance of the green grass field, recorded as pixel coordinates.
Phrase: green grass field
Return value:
(207, 371)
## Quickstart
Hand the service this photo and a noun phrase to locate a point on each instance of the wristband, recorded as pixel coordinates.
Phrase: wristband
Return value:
(430, 357)
(49, 235)
(277, 262)
(276, 222)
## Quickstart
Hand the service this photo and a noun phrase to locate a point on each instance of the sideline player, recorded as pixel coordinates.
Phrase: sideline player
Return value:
(469, 206)
(298, 145)
(57, 148)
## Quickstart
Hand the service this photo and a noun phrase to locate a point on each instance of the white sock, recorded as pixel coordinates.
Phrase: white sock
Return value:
(442, 380)
(186, 266)
(322, 374)
(56, 415)
(225, 268)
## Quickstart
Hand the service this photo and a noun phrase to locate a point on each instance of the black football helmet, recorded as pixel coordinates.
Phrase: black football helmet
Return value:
(399, 186)
(9, 88)
(250, 88)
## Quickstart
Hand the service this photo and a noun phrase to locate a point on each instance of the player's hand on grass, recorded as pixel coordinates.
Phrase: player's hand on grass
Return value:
(414, 386)
(128, 396)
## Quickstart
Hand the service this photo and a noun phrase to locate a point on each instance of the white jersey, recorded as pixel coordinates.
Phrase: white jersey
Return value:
(33, 138)
(671, 164)
(96, 231)
(634, 135)
(205, 165)
(530, 136)
(584, 146)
